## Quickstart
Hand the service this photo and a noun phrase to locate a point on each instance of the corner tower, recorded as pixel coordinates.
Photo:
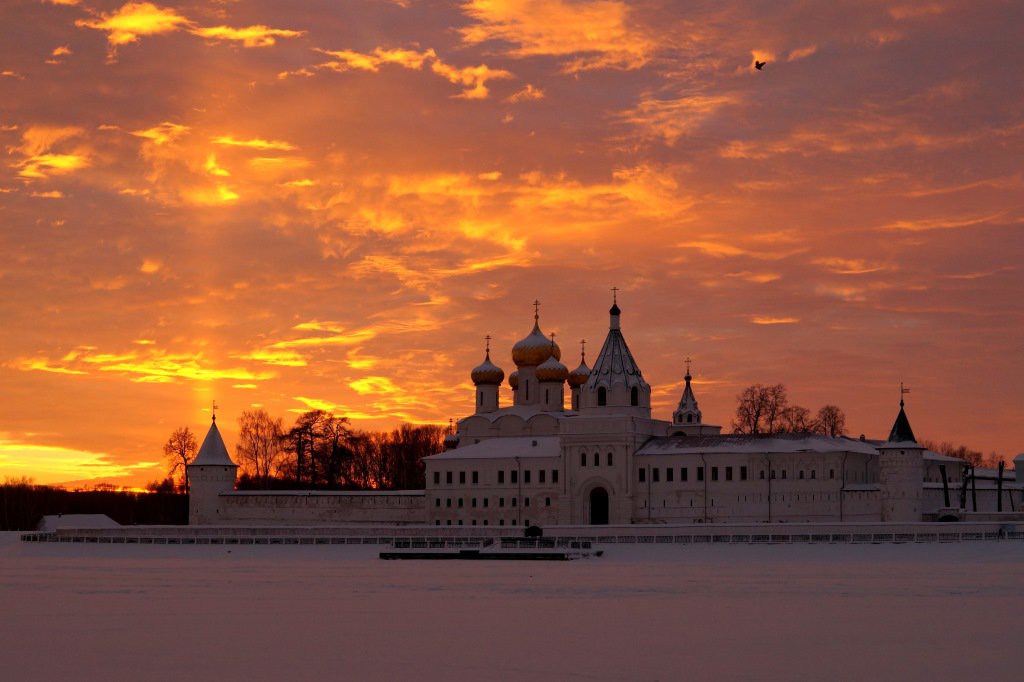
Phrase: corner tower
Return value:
(615, 384)
(211, 473)
(901, 472)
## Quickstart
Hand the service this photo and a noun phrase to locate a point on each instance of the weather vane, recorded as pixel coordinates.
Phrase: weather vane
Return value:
(213, 409)
(903, 392)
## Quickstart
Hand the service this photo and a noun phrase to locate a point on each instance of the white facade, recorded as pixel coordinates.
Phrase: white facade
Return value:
(607, 460)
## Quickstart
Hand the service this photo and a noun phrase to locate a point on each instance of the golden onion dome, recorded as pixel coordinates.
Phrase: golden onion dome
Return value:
(487, 372)
(535, 348)
(513, 379)
(579, 376)
(552, 370)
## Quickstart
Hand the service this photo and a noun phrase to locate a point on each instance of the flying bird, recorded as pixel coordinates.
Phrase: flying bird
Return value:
(759, 65)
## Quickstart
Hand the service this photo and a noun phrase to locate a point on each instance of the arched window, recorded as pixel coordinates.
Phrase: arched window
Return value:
(583, 459)
(634, 397)
(527, 384)
(602, 396)
(689, 419)
(597, 459)
(609, 459)
(547, 396)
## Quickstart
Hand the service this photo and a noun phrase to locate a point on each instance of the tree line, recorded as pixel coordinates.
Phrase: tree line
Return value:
(766, 409)
(319, 451)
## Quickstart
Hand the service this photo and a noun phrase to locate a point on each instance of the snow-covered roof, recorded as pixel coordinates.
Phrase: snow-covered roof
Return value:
(76, 521)
(498, 448)
(213, 451)
(778, 443)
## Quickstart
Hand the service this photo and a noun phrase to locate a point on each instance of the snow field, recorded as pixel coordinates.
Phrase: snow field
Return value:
(641, 612)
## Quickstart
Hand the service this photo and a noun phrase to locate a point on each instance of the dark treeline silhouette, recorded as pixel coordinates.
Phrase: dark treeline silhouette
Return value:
(23, 505)
(766, 409)
(973, 457)
(321, 451)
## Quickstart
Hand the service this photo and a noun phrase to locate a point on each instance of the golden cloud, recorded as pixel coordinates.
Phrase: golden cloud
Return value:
(765, 320)
(255, 143)
(672, 118)
(135, 19)
(597, 31)
(474, 78)
(162, 133)
(250, 36)
(526, 94)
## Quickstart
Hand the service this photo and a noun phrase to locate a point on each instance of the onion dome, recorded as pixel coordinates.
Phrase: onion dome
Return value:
(535, 348)
(487, 372)
(552, 370)
(513, 379)
(579, 376)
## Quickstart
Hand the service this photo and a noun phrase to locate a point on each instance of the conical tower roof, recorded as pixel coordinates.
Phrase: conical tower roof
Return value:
(213, 451)
(901, 431)
(688, 403)
(615, 364)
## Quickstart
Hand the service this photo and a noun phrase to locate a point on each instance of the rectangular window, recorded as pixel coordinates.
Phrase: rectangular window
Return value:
(515, 476)
(541, 474)
(486, 500)
(448, 477)
(462, 477)
(684, 474)
(773, 473)
(669, 473)
(460, 503)
(831, 473)
(801, 473)
(761, 474)
(554, 475)
(526, 501)
(814, 473)
(547, 501)
(448, 502)
(728, 473)
(526, 476)
(583, 459)
(700, 473)
(476, 477)
(501, 477)
(514, 501)
(743, 473)
(641, 475)
(655, 474)
(714, 473)
(783, 473)
(501, 522)
(437, 478)
(473, 503)
(501, 501)
(437, 501)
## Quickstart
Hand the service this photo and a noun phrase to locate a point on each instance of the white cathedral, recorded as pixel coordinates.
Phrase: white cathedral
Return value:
(606, 460)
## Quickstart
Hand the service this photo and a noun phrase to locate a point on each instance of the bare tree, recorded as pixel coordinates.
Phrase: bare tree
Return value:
(179, 451)
(796, 419)
(760, 409)
(259, 444)
(830, 421)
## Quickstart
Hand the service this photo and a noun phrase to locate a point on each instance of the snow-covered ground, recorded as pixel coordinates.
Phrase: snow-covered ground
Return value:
(641, 612)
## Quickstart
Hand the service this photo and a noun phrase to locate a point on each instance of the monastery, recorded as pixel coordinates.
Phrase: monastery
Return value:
(607, 460)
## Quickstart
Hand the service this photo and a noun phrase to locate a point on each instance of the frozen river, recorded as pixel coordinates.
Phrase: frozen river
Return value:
(743, 612)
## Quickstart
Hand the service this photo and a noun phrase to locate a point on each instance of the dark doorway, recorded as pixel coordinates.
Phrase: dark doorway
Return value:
(599, 507)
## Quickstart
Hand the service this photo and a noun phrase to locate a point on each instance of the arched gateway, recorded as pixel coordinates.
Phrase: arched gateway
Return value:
(599, 507)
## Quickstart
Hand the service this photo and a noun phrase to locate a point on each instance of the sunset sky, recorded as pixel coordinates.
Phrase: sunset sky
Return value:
(330, 204)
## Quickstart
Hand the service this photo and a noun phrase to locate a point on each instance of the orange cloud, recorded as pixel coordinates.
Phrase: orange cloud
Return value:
(135, 19)
(250, 36)
(474, 78)
(765, 320)
(673, 118)
(254, 143)
(162, 133)
(597, 32)
(526, 94)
